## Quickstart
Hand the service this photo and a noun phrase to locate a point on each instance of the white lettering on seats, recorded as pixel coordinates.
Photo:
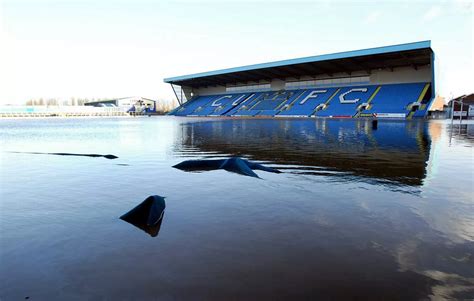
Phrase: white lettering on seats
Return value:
(236, 102)
(313, 94)
(215, 104)
(343, 100)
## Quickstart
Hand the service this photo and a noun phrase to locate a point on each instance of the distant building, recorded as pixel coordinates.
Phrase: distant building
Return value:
(438, 104)
(466, 110)
(125, 103)
(438, 108)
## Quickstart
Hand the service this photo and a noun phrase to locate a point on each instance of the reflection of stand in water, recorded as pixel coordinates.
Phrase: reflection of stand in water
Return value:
(453, 101)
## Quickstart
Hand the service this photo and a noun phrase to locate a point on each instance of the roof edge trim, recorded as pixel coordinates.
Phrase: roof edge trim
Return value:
(309, 59)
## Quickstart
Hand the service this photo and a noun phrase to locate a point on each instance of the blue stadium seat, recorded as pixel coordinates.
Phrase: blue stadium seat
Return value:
(189, 107)
(346, 101)
(216, 106)
(395, 98)
(246, 113)
(421, 112)
(229, 103)
(272, 100)
(391, 100)
(305, 101)
(267, 113)
(246, 104)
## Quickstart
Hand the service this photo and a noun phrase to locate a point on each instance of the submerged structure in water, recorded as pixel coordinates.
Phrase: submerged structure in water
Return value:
(233, 164)
(111, 157)
(148, 215)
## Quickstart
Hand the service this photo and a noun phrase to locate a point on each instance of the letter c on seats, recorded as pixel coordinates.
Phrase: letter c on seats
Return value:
(215, 104)
(343, 100)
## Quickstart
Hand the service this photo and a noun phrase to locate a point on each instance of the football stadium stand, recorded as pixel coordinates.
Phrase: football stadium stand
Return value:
(386, 82)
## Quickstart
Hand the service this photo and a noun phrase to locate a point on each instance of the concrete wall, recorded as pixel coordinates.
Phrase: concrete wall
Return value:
(277, 85)
(401, 75)
(210, 90)
(377, 77)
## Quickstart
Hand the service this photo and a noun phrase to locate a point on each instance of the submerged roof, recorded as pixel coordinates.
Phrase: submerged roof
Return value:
(411, 54)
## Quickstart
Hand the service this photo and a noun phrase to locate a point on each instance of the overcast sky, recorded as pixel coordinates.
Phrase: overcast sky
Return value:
(102, 49)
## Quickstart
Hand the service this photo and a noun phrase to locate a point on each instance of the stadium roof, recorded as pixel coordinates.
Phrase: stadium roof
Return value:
(411, 54)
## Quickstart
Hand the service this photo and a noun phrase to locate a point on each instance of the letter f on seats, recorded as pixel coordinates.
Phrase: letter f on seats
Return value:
(313, 94)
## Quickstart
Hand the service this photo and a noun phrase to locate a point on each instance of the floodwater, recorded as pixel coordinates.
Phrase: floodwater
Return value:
(356, 213)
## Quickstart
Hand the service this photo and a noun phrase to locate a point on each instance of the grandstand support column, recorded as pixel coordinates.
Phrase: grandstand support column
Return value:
(433, 86)
(433, 79)
(177, 98)
(189, 93)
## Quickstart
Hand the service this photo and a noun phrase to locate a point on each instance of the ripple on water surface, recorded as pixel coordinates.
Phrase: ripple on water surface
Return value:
(355, 213)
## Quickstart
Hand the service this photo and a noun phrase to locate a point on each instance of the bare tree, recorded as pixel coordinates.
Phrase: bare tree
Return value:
(52, 102)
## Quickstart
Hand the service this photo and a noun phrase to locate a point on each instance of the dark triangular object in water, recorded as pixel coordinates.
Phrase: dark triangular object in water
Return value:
(147, 215)
(239, 166)
(233, 164)
(199, 165)
(261, 167)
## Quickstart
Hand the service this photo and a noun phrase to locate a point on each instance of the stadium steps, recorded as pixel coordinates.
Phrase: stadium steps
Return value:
(242, 103)
(267, 113)
(308, 105)
(274, 100)
(336, 109)
(219, 104)
(246, 105)
(287, 107)
(394, 99)
(297, 94)
(313, 113)
(422, 110)
(369, 102)
(247, 113)
(227, 108)
(389, 100)
(192, 107)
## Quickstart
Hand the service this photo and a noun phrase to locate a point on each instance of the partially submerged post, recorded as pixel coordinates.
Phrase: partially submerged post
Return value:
(375, 123)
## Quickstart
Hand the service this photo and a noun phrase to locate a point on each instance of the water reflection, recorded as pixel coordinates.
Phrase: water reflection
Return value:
(395, 152)
(234, 164)
(461, 132)
(336, 224)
